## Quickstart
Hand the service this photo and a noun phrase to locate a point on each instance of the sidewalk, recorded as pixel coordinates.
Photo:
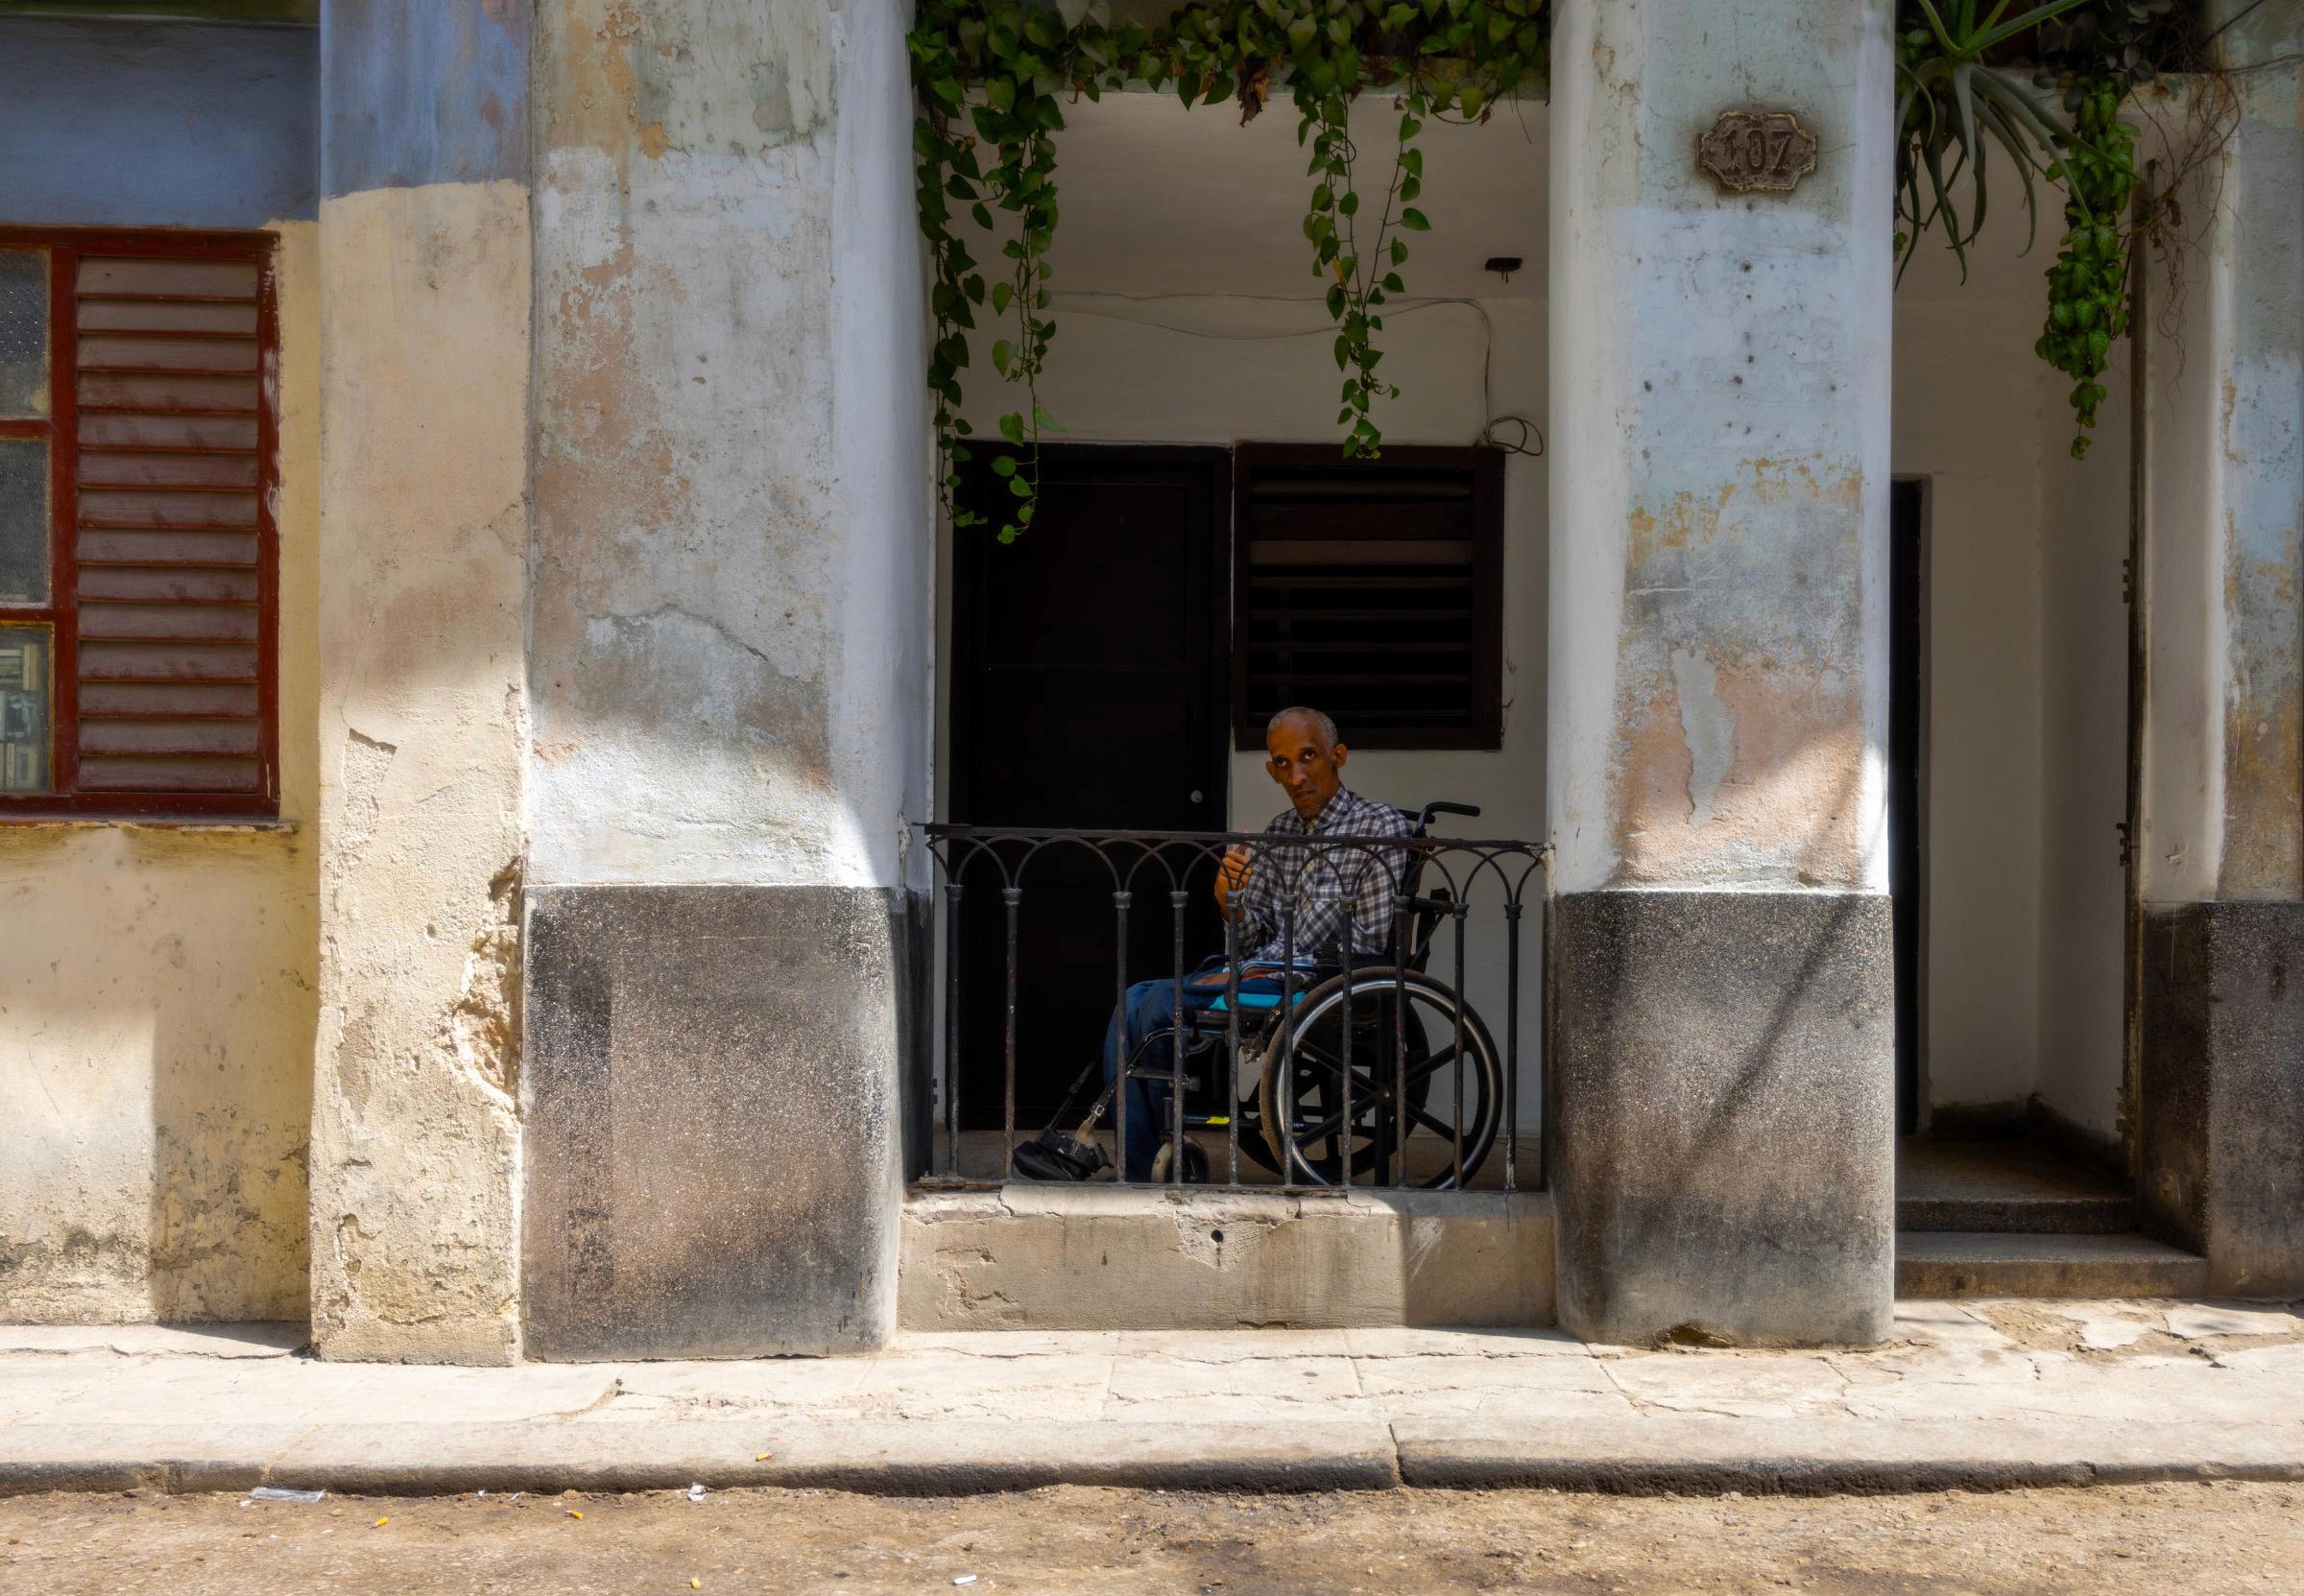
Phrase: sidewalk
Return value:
(1975, 1395)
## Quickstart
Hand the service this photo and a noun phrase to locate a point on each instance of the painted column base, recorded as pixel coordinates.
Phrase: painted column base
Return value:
(1722, 1091)
(2223, 1082)
(713, 1124)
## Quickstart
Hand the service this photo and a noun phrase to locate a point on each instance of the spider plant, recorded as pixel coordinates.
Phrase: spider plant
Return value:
(1951, 108)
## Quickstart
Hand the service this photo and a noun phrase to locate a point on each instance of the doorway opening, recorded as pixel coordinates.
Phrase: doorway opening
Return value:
(1091, 685)
(1907, 766)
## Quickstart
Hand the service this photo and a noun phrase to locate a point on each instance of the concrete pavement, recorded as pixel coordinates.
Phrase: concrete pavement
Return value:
(1977, 1394)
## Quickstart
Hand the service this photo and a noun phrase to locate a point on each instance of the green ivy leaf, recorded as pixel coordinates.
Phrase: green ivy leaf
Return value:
(1012, 427)
(1413, 220)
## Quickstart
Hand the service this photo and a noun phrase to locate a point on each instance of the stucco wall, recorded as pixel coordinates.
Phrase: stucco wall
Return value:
(424, 520)
(121, 124)
(1719, 645)
(2084, 757)
(422, 716)
(730, 523)
(2224, 727)
(157, 1006)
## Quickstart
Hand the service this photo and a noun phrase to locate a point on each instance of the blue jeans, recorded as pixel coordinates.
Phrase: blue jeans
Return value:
(1148, 1010)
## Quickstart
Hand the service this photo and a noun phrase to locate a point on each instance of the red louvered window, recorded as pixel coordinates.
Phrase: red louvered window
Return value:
(138, 573)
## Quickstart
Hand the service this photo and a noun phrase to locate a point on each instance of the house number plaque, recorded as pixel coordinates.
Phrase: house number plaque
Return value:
(1764, 151)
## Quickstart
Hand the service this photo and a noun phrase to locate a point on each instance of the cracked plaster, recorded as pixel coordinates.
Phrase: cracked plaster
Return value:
(415, 1136)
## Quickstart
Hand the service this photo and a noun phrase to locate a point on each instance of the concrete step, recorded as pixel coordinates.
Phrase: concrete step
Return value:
(2008, 1187)
(1976, 1263)
(2055, 1216)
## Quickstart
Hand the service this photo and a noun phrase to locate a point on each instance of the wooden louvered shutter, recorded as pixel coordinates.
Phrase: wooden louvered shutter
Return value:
(172, 541)
(1370, 589)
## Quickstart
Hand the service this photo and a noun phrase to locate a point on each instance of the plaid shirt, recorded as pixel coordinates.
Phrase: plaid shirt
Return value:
(1324, 883)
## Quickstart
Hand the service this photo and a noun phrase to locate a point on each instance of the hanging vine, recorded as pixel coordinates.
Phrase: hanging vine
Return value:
(2088, 285)
(993, 77)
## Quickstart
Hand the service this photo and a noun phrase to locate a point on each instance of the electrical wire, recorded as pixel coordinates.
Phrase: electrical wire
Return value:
(1531, 436)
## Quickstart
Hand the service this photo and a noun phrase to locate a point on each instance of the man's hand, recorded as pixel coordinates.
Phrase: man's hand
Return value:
(1231, 874)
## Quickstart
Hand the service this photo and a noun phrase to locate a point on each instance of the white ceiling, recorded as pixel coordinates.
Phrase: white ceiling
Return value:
(1158, 200)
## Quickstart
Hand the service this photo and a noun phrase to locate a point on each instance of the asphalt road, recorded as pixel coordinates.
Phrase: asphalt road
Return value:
(2107, 1541)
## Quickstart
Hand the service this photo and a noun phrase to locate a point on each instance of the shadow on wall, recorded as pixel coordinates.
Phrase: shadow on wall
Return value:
(158, 1087)
(231, 1107)
(1724, 1071)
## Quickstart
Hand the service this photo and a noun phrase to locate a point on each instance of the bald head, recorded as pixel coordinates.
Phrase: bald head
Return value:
(1305, 757)
(1303, 720)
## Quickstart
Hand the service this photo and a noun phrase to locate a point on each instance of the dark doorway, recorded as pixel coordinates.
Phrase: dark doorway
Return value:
(1907, 751)
(1089, 688)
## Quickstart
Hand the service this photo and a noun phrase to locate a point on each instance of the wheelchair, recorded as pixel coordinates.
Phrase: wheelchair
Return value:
(1338, 1068)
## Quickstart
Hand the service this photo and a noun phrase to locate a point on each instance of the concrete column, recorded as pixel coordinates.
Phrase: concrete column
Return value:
(728, 621)
(2222, 1081)
(424, 318)
(1721, 1064)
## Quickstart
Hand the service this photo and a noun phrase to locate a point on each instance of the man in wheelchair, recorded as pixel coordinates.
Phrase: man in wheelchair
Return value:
(1330, 890)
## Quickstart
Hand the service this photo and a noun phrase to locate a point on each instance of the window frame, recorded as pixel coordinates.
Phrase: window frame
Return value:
(1486, 465)
(60, 427)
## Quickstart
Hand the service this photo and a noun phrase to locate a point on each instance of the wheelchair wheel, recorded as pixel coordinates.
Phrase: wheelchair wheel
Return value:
(1451, 1095)
(1195, 1162)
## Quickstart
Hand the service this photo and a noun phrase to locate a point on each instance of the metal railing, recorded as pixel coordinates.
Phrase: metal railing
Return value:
(1352, 1062)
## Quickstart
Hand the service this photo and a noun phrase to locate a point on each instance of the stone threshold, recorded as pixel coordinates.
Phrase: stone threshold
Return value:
(1031, 1256)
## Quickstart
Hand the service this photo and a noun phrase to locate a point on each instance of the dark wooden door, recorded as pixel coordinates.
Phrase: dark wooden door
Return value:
(1091, 668)
(1908, 749)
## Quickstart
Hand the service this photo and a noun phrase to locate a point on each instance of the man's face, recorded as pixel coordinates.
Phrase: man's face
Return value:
(1310, 773)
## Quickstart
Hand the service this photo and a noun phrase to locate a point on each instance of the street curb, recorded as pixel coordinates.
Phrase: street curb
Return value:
(1806, 1476)
(894, 1458)
(1711, 1454)
(1686, 1456)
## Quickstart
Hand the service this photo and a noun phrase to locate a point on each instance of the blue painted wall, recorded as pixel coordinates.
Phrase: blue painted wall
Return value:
(435, 92)
(144, 125)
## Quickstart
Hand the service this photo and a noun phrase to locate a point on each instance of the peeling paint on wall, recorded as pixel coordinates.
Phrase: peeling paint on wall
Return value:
(1708, 727)
(416, 1141)
(692, 582)
(1741, 736)
(1719, 509)
(2224, 728)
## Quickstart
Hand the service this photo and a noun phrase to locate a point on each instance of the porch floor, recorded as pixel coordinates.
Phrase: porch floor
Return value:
(982, 1159)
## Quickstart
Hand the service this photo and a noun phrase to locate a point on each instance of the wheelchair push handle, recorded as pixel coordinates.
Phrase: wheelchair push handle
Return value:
(1441, 806)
